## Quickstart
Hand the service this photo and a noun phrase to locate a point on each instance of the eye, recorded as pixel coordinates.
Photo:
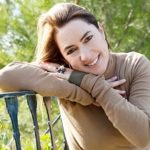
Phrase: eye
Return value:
(70, 51)
(88, 38)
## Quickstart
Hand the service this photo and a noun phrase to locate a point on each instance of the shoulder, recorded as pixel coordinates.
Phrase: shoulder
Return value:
(127, 55)
(139, 61)
(131, 64)
(131, 58)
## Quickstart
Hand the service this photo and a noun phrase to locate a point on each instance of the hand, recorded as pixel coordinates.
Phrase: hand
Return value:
(54, 68)
(114, 83)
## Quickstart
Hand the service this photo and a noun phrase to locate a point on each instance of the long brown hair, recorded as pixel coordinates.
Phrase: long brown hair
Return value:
(49, 22)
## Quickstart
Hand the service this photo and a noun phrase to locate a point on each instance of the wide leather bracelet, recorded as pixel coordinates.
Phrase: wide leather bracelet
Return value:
(76, 77)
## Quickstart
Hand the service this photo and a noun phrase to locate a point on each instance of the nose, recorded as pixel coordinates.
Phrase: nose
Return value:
(85, 55)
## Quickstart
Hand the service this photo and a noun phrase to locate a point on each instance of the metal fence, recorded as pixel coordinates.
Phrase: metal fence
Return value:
(11, 100)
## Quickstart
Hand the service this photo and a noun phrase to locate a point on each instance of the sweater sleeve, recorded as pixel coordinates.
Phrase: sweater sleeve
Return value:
(131, 117)
(26, 76)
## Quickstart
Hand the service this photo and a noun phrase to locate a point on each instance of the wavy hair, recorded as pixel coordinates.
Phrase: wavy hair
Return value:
(49, 22)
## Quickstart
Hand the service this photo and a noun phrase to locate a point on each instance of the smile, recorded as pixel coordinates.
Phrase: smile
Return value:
(94, 62)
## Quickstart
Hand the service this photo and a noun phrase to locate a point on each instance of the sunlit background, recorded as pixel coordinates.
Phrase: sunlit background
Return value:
(126, 22)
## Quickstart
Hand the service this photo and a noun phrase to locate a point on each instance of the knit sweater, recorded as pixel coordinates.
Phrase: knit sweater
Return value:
(121, 122)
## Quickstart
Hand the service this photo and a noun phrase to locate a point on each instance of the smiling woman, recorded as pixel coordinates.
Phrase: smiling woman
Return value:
(82, 50)
(75, 39)
(104, 97)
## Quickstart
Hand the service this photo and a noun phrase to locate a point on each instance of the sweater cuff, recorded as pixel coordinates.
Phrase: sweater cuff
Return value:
(76, 77)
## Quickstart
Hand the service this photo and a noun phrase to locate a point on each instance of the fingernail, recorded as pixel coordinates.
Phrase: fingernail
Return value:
(123, 92)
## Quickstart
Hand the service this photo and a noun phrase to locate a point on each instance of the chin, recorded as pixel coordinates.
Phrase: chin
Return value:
(100, 72)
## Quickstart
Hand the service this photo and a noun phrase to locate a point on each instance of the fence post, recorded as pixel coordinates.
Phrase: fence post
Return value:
(12, 108)
(32, 103)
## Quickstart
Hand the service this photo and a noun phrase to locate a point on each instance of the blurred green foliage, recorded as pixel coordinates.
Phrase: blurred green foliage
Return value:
(126, 22)
(127, 26)
(26, 126)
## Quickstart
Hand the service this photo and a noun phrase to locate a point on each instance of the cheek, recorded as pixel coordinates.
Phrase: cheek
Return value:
(75, 64)
(101, 43)
(71, 61)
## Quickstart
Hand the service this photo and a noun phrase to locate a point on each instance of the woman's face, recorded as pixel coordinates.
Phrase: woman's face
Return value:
(83, 46)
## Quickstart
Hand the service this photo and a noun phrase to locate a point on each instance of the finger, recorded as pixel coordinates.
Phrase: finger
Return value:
(50, 67)
(112, 79)
(121, 92)
(96, 104)
(117, 83)
(59, 75)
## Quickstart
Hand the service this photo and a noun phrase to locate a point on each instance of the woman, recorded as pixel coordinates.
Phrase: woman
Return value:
(106, 105)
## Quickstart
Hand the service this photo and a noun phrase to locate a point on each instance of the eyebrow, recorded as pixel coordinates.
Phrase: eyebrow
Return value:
(84, 35)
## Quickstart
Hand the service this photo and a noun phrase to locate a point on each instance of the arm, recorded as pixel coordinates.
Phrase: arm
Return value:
(131, 117)
(26, 76)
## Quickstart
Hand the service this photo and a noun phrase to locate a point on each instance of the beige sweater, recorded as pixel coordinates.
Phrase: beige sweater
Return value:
(121, 123)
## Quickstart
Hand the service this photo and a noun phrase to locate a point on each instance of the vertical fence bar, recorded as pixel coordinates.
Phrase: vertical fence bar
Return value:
(12, 108)
(47, 103)
(32, 103)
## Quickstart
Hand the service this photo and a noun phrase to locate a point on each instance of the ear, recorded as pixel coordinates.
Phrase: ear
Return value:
(101, 29)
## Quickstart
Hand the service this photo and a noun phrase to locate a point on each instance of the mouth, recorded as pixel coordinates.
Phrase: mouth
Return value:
(94, 62)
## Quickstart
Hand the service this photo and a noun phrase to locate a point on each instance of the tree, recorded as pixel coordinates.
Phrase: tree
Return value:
(18, 29)
(126, 23)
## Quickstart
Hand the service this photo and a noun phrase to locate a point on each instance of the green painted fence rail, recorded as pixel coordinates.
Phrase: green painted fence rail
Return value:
(11, 100)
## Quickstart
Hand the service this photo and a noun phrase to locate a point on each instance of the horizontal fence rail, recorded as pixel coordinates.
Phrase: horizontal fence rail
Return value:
(11, 100)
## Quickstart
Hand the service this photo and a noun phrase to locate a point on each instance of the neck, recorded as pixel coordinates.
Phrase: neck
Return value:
(110, 66)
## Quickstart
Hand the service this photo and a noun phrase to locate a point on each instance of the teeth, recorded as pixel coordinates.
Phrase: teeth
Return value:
(94, 62)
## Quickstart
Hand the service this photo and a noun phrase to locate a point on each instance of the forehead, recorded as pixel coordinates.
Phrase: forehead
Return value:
(73, 30)
(76, 24)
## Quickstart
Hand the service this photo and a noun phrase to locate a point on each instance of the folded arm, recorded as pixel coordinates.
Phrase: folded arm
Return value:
(26, 76)
(131, 117)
